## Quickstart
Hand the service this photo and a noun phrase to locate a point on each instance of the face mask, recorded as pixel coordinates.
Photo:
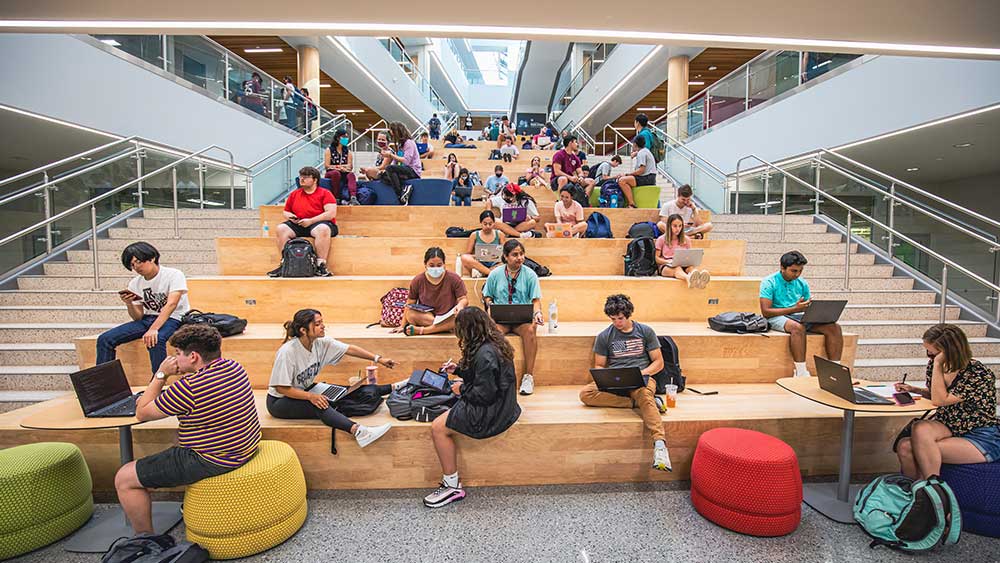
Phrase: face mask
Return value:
(463, 178)
(382, 144)
(344, 141)
(435, 272)
(499, 174)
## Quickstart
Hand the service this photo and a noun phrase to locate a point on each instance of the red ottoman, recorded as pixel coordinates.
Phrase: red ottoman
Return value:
(747, 481)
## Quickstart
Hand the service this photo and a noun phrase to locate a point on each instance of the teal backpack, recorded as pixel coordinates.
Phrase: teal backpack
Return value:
(908, 515)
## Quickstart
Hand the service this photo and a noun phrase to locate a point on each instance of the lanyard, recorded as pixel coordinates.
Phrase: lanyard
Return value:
(511, 284)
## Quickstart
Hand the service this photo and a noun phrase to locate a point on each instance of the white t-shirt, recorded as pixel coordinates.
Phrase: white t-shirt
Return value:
(499, 203)
(153, 293)
(509, 149)
(294, 366)
(671, 208)
(644, 157)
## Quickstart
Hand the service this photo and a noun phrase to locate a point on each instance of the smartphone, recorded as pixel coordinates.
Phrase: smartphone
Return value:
(903, 399)
(125, 292)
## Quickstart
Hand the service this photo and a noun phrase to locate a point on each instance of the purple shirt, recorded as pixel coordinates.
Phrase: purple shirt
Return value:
(411, 157)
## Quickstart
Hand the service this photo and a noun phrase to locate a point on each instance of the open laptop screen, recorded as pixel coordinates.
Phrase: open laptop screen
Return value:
(101, 385)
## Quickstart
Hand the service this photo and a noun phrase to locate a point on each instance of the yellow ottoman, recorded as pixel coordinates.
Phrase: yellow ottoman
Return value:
(646, 197)
(250, 509)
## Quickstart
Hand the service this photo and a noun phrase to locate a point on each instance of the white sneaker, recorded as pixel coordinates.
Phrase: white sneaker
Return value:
(527, 384)
(527, 234)
(368, 434)
(661, 459)
(705, 278)
(476, 273)
(693, 279)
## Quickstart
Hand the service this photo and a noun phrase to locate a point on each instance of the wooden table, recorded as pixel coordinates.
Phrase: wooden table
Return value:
(97, 535)
(836, 500)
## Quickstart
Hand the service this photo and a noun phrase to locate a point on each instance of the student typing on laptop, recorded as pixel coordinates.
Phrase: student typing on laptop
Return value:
(481, 254)
(666, 246)
(514, 284)
(625, 344)
(218, 429)
(784, 296)
(299, 360)
(512, 196)
(569, 215)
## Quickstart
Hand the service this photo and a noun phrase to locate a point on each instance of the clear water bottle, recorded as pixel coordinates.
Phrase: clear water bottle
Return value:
(458, 265)
(614, 201)
(265, 230)
(553, 317)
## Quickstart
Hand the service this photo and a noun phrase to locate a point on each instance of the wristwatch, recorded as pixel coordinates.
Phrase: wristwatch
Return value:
(160, 375)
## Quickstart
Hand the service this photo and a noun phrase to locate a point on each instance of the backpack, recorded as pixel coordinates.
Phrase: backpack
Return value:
(458, 232)
(611, 188)
(474, 179)
(578, 194)
(366, 195)
(362, 402)
(908, 515)
(598, 226)
(419, 403)
(298, 259)
(540, 271)
(128, 550)
(640, 257)
(671, 374)
(643, 229)
(495, 154)
(656, 147)
(183, 552)
(227, 325)
(392, 314)
(741, 323)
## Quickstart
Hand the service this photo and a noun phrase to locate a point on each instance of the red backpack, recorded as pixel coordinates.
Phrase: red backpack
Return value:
(392, 307)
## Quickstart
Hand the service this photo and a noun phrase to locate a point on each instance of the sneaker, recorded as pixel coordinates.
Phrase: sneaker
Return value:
(321, 271)
(476, 273)
(661, 405)
(661, 459)
(354, 200)
(693, 279)
(404, 198)
(527, 384)
(527, 234)
(368, 434)
(705, 278)
(275, 273)
(444, 496)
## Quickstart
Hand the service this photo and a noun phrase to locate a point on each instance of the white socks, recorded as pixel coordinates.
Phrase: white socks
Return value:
(451, 480)
(801, 370)
(659, 444)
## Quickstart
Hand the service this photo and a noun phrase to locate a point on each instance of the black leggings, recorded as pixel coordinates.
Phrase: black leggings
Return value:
(395, 175)
(298, 409)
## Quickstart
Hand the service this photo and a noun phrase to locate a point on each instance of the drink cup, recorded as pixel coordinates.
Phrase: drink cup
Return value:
(671, 396)
(372, 373)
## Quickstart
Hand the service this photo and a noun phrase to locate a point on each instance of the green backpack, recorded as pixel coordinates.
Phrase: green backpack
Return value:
(908, 515)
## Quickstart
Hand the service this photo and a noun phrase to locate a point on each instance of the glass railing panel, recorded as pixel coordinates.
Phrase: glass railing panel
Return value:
(709, 189)
(816, 64)
(727, 99)
(249, 89)
(773, 75)
(148, 48)
(14, 217)
(87, 186)
(198, 62)
(750, 196)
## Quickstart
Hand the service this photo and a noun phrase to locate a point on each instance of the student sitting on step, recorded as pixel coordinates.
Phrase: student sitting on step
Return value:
(497, 181)
(338, 161)
(514, 196)
(516, 285)
(382, 142)
(965, 427)
(643, 173)
(567, 212)
(451, 167)
(440, 290)
(566, 165)
(424, 148)
(310, 212)
(299, 360)
(670, 241)
(156, 299)
(605, 170)
(628, 344)
(684, 206)
(461, 189)
(486, 235)
(487, 404)
(508, 151)
(784, 297)
(535, 175)
(218, 430)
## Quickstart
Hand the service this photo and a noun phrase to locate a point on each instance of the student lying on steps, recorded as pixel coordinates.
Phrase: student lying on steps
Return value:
(487, 235)
(310, 212)
(487, 404)
(299, 360)
(514, 196)
(441, 290)
(628, 344)
(784, 297)
(669, 242)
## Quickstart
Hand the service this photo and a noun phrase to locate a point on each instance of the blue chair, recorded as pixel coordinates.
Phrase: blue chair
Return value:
(977, 488)
(430, 191)
(384, 194)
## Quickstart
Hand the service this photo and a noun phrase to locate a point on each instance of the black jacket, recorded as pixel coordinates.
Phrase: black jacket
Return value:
(487, 404)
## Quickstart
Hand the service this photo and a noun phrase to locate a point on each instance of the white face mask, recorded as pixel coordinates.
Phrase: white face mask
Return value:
(435, 272)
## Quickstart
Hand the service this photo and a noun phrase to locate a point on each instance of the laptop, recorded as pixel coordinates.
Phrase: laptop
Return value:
(688, 257)
(560, 230)
(512, 314)
(836, 378)
(617, 380)
(488, 252)
(103, 391)
(824, 312)
(334, 392)
(514, 215)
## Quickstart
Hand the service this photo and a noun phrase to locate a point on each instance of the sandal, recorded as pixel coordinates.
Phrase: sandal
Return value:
(411, 330)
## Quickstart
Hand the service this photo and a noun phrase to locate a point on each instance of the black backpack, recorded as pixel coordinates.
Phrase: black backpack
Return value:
(362, 402)
(540, 271)
(578, 194)
(643, 229)
(154, 549)
(298, 259)
(458, 232)
(738, 322)
(640, 257)
(671, 374)
(227, 325)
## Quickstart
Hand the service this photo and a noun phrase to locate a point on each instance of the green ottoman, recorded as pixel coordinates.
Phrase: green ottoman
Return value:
(646, 197)
(45, 495)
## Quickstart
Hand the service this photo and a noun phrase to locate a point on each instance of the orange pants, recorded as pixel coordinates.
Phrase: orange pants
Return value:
(641, 398)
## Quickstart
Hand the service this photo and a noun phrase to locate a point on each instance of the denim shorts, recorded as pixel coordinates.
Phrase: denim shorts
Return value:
(986, 440)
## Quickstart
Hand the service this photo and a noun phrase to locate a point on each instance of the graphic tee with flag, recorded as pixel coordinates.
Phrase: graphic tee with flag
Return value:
(626, 349)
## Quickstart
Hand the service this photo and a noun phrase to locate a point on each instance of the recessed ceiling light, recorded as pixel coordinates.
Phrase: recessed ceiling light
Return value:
(326, 85)
(962, 145)
(939, 158)
(264, 50)
(111, 42)
(913, 169)
(713, 67)
(651, 108)
(350, 111)
(696, 82)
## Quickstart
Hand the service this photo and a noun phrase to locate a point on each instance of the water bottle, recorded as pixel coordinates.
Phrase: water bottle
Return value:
(553, 317)
(614, 201)
(265, 230)
(458, 265)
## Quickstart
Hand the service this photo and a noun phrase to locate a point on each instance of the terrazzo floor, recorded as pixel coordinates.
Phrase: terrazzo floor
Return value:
(565, 524)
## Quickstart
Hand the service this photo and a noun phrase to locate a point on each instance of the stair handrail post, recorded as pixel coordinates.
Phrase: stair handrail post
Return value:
(177, 223)
(93, 245)
(784, 200)
(944, 293)
(847, 255)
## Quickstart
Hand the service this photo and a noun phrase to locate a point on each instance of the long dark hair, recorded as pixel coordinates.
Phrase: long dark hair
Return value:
(335, 145)
(681, 237)
(400, 134)
(521, 197)
(474, 328)
(302, 319)
(433, 252)
(952, 341)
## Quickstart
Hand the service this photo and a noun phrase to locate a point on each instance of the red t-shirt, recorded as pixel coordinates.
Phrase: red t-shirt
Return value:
(307, 206)
(569, 162)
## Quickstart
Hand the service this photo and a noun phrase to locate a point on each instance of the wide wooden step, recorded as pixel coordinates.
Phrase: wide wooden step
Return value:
(566, 441)
(564, 357)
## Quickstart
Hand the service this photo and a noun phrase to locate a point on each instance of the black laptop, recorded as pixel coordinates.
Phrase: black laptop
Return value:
(836, 378)
(103, 391)
(512, 314)
(618, 380)
(824, 311)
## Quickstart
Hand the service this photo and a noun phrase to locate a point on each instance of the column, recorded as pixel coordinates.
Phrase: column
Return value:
(308, 61)
(677, 94)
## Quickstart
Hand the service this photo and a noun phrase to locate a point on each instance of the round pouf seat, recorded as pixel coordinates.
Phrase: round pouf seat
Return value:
(647, 197)
(747, 482)
(45, 495)
(250, 509)
(977, 488)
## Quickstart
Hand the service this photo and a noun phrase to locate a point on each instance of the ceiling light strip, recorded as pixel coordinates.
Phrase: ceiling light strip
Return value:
(916, 128)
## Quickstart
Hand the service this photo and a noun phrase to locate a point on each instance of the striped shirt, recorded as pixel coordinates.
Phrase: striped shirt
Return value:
(216, 410)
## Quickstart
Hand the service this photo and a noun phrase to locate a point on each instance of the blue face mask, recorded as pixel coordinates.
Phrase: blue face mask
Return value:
(435, 272)
(344, 141)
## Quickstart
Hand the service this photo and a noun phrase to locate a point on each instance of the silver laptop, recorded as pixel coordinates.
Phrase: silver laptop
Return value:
(488, 252)
(688, 257)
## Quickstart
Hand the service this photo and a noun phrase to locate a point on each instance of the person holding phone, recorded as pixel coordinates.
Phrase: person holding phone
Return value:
(965, 427)
(516, 285)
(372, 173)
(440, 292)
(156, 300)
(487, 403)
(784, 297)
(684, 206)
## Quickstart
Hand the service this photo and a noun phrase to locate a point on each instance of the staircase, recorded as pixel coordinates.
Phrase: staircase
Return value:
(39, 320)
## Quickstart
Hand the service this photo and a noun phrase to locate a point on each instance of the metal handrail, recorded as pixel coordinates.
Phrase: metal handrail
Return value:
(569, 87)
(66, 160)
(851, 211)
(319, 130)
(372, 127)
(681, 146)
(49, 183)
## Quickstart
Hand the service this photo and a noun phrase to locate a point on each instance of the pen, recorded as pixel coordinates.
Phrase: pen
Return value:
(904, 377)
